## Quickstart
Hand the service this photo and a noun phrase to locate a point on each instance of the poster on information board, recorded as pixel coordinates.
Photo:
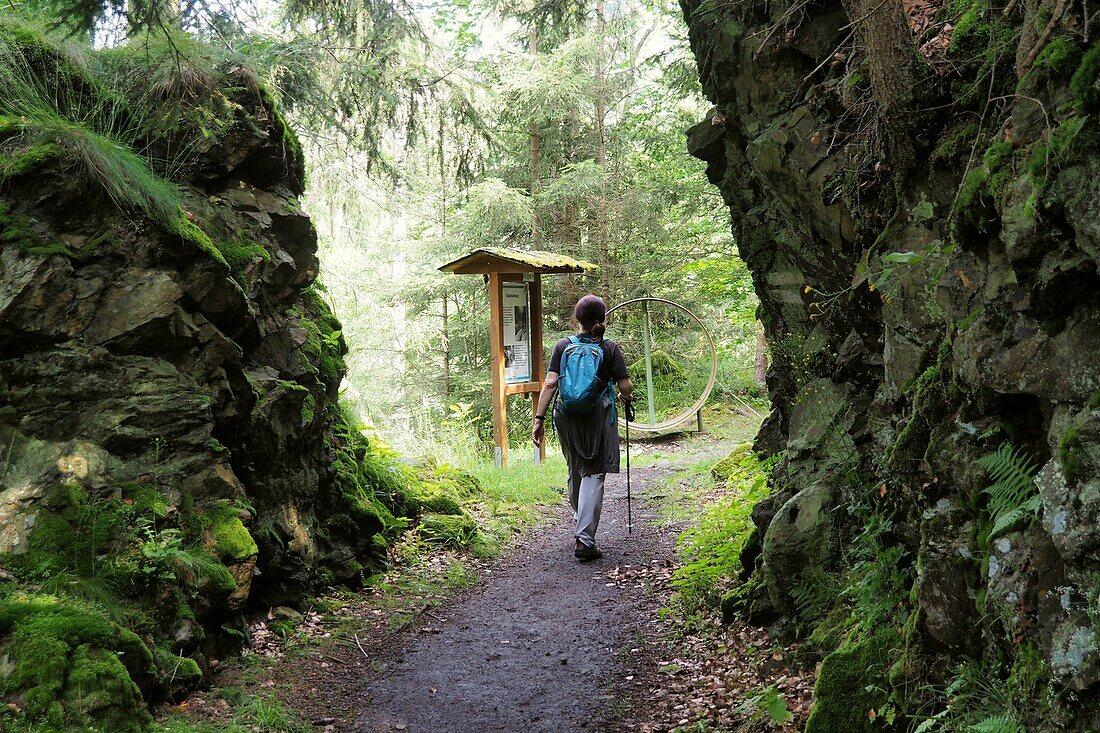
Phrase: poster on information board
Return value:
(516, 320)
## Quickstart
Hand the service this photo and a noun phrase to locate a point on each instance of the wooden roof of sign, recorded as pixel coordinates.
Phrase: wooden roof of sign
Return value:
(505, 259)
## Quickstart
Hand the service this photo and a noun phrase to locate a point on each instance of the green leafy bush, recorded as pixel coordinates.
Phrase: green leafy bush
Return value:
(711, 550)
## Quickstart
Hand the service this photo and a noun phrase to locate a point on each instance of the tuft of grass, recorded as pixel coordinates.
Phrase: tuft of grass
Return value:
(515, 497)
(259, 712)
(250, 713)
(50, 109)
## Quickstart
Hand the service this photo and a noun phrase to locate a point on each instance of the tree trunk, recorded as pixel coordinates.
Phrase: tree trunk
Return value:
(601, 145)
(892, 57)
(442, 182)
(446, 352)
(761, 358)
(536, 233)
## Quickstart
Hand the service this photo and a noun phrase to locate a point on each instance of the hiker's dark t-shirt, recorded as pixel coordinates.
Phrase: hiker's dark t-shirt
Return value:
(613, 366)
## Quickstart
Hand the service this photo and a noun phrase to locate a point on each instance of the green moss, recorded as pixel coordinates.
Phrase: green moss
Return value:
(308, 403)
(1027, 683)
(448, 530)
(231, 540)
(146, 500)
(980, 189)
(324, 352)
(972, 209)
(1072, 140)
(1072, 456)
(972, 30)
(445, 480)
(99, 691)
(982, 41)
(71, 537)
(830, 632)
(325, 346)
(1094, 400)
(968, 320)
(176, 670)
(439, 502)
(849, 686)
(1061, 55)
(309, 409)
(366, 480)
(242, 251)
(738, 464)
(190, 232)
(27, 160)
(295, 158)
(932, 396)
(326, 320)
(74, 667)
(1085, 84)
(19, 230)
(661, 363)
(466, 484)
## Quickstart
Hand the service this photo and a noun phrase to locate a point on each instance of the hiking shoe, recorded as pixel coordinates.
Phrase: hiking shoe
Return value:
(585, 552)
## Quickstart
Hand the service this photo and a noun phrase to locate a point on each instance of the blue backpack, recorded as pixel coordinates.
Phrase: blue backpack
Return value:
(579, 387)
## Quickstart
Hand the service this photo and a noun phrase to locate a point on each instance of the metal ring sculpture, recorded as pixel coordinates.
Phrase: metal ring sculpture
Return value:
(686, 414)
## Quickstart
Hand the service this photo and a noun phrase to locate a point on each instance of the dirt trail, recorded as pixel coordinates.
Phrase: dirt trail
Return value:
(537, 647)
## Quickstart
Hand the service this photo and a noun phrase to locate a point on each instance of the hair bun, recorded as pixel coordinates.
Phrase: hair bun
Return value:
(597, 330)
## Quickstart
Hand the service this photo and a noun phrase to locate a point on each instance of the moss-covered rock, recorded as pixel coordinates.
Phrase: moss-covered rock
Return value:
(662, 365)
(739, 463)
(440, 503)
(71, 667)
(849, 689)
(228, 537)
(921, 310)
(452, 480)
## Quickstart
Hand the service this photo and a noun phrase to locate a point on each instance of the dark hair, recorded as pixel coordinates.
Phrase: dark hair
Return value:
(590, 312)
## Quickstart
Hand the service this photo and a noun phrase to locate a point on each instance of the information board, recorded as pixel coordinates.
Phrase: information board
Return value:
(516, 321)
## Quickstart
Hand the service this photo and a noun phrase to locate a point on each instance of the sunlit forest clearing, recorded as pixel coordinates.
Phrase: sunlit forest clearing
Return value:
(287, 288)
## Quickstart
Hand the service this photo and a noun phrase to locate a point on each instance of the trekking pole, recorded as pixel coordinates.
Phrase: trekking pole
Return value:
(629, 516)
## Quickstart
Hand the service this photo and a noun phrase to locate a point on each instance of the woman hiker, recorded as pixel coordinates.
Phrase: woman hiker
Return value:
(589, 441)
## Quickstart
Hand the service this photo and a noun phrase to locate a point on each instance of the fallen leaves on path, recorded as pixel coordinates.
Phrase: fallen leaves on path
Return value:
(680, 672)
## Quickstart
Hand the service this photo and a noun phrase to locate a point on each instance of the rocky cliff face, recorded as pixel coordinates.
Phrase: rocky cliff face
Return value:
(171, 444)
(914, 186)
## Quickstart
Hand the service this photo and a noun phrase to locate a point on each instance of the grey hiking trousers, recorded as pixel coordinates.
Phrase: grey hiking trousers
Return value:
(586, 498)
(590, 444)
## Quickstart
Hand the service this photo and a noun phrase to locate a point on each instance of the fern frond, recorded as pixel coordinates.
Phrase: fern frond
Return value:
(931, 723)
(1013, 496)
(1012, 519)
(997, 724)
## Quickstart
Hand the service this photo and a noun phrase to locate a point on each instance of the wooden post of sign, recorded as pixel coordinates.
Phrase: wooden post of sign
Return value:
(496, 348)
(538, 369)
